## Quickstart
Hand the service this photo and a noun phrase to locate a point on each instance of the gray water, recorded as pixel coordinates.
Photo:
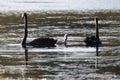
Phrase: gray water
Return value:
(58, 5)
(54, 19)
(75, 62)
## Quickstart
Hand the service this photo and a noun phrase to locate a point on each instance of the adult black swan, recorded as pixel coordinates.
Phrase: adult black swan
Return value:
(93, 41)
(40, 42)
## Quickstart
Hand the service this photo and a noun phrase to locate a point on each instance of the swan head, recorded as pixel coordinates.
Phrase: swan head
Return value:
(23, 15)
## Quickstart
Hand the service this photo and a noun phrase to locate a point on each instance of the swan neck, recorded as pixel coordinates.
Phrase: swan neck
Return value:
(25, 31)
(97, 28)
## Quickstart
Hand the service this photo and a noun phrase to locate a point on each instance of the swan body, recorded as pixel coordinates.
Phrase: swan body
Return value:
(40, 42)
(92, 41)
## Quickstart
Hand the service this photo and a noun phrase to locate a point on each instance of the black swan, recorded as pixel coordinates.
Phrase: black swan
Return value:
(40, 42)
(93, 41)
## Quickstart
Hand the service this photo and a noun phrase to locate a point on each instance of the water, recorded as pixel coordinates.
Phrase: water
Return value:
(74, 62)
(57, 5)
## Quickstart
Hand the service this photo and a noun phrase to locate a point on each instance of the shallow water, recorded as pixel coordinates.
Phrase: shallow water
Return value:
(74, 62)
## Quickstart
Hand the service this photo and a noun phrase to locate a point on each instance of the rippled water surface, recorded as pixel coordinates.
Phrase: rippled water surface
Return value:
(54, 18)
(75, 62)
